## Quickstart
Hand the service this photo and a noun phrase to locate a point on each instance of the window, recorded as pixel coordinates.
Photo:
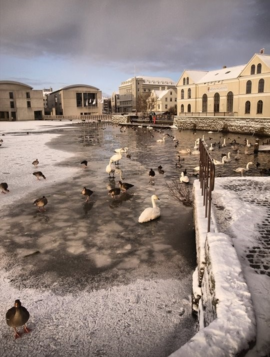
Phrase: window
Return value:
(28, 104)
(230, 102)
(12, 105)
(184, 81)
(189, 93)
(259, 68)
(247, 107)
(182, 108)
(216, 102)
(170, 99)
(175, 99)
(165, 99)
(259, 107)
(166, 106)
(248, 87)
(204, 103)
(252, 69)
(189, 108)
(182, 94)
(27, 95)
(11, 95)
(261, 86)
(187, 80)
(79, 99)
(170, 93)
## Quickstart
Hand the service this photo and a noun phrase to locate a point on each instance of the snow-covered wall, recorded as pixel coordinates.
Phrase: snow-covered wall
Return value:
(227, 318)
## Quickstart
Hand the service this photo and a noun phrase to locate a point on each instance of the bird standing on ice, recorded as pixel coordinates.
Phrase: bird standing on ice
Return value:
(4, 187)
(17, 316)
(39, 174)
(150, 213)
(41, 203)
(87, 193)
(35, 162)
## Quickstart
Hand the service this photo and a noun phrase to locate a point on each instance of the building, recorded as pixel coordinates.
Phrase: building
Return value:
(75, 100)
(134, 90)
(46, 92)
(18, 101)
(107, 105)
(162, 100)
(238, 91)
(115, 102)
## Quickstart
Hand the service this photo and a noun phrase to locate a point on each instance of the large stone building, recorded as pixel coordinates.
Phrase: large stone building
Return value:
(18, 101)
(237, 91)
(162, 100)
(75, 100)
(136, 88)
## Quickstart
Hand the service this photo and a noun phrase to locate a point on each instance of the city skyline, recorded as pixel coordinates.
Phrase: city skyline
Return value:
(56, 44)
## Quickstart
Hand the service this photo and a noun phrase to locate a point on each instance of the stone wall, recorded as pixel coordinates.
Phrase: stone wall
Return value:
(119, 119)
(256, 126)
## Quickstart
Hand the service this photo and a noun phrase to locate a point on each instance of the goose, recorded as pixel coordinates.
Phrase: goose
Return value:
(160, 170)
(243, 169)
(184, 151)
(184, 178)
(110, 170)
(4, 187)
(124, 186)
(84, 163)
(237, 156)
(211, 147)
(150, 213)
(116, 157)
(41, 203)
(227, 158)
(222, 162)
(35, 162)
(224, 143)
(39, 174)
(17, 316)
(114, 192)
(87, 193)
(161, 140)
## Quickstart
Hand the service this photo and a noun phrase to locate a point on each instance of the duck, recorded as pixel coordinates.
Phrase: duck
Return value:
(128, 156)
(184, 151)
(150, 213)
(39, 174)
(184, 178)
(114, 192)
(110, 170)
(124, 186)
(116, 158)
(35, 162)
(160, 170)
(151, 174)
(243, 169)
(161, 140)
(227, 158)
(4, 187)
(41, 203)
(87, 193)
(18, 316)
(222, 162)
(84, 163)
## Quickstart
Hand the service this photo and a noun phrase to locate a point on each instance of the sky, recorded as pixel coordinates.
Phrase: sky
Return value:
(104, 42)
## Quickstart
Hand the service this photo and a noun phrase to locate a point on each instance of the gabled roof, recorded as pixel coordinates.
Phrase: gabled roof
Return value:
(222, 74)
(160, 93)
(196, 75)
(262, 57)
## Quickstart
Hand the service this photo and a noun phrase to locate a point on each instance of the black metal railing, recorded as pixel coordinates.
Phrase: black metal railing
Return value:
(207, 180)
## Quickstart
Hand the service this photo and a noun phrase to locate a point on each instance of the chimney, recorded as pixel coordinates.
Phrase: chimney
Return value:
(224, 66)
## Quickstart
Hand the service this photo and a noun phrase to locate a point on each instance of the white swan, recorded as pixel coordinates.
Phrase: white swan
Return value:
(110, 170)
(184, 151)
(243, 169)
(195, 152)
(196, 146)
(211, 147)
(222, 162)
(184, 178)
(228, 157)
(237, 156)
(116, 157)
(149, 127)
(224, 143)
(248, 144)
(161, 140)
(173, 126)
(150, 213)
(121, 150)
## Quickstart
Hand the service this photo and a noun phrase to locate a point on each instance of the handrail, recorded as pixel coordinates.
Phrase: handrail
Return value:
(207, 179)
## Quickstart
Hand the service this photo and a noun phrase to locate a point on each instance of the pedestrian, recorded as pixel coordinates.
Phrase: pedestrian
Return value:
(150, 118)
(154, 119)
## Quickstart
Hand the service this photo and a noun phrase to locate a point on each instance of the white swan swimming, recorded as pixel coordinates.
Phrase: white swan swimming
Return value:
(243, 169)
(222, 162)
(237, 156)
(195, 152)
(161, 140)
(121, 150)
(173, 126)
(150, 213)
(110, 170)
(116, 157)
(211, 147)
(196, 146)
(184, 151)
(224, 143)
(184, 178)
(227, 158)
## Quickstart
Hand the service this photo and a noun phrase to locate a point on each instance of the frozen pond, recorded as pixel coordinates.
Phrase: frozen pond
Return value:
(134, 279)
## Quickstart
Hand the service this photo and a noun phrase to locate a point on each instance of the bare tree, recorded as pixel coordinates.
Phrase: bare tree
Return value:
(141, 102)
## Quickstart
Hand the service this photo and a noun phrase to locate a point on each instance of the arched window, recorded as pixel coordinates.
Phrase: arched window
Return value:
(189, 93)
(182, 108)
(230, 102)
(204, 103)
(259, 107)
(184, 81)
(247, 107)
(252, 69)
(248, 87)
(189, 108)
(261, 86)
(216, 102)
(182, 94)
(187, 80)
(259, 68)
